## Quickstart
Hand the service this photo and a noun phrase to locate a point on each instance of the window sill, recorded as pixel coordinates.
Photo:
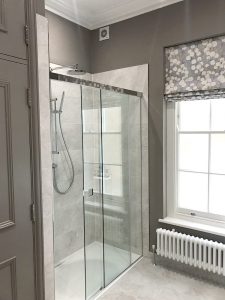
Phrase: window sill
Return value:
(212, 229)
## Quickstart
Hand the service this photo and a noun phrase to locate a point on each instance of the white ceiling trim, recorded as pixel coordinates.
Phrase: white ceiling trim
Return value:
(99, 18)
(62, 8)
(108, 18)
(78, 21)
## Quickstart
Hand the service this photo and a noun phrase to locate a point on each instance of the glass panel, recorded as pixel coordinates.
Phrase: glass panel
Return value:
(193, 191)
(66, 139)
(121, 182)
(91, 113)
(217, 114)
(134, 165)
(113, 180)
(91, 150)
(217, 153)
(112, 148)
(193, 152)
(217, 195)
(111, 117)
(194, 115)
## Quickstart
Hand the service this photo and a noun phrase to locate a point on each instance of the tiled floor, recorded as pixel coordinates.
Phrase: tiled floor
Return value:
(147, 282)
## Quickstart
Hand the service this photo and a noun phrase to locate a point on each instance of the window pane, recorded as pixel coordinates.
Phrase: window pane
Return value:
(217, 194)
(91, 120)
(194, 115)
(218, 153)
(193, 191)
(91, 149)
(193, 152)
(218, 113)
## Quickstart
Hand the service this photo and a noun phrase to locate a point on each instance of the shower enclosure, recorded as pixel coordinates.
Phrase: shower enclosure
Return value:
(96, 153)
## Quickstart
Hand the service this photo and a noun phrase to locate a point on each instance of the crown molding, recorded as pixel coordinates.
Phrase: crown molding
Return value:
(74, 19)
(108, 16)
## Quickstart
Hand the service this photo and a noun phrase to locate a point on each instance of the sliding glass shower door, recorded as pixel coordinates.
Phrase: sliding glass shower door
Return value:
(112, 184)
(121, 147)
(93, 209)
(97, 184)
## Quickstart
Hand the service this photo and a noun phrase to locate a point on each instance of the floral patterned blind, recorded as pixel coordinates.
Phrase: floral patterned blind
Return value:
(195, 70)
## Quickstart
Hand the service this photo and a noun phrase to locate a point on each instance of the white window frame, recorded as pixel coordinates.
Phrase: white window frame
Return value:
(171, 203)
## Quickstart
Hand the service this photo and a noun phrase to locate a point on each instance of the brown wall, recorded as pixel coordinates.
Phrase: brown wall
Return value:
(141, 40)
(69, 43)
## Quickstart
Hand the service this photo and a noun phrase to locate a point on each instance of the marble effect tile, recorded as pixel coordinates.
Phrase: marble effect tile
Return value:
(47, 190)
(148, 282)
(68, 208)
(136, 80)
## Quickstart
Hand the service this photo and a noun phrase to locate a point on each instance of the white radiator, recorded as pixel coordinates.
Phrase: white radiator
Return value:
(194, 251)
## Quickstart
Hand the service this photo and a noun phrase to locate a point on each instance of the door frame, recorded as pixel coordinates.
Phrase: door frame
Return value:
(31, 10)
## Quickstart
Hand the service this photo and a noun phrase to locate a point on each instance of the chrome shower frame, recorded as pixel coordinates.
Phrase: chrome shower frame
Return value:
(72, 79)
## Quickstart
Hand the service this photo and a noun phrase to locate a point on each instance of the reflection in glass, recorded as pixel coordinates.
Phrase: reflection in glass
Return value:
(92, 157)
(122, 186)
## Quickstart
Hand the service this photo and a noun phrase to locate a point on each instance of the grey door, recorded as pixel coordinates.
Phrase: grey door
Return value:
(12, 22)
(16, 237)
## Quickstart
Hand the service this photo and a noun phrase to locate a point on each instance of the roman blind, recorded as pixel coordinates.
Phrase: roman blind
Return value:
(195, 70)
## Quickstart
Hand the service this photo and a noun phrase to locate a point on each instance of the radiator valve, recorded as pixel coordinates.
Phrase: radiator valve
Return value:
(154, 254)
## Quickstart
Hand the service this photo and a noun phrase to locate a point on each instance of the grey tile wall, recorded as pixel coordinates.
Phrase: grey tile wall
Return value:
(68, 208)
(46, 167)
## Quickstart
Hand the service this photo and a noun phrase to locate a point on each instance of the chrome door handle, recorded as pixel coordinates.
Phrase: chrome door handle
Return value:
(90, 192)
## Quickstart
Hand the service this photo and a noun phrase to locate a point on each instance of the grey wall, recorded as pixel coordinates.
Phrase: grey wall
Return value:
(40, 7)
(68, 43)
(141, 40)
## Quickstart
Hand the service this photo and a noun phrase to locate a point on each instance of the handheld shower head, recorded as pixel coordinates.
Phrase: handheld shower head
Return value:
(62, 102)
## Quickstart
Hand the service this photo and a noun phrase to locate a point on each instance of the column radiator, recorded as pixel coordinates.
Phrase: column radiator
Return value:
(194, 251)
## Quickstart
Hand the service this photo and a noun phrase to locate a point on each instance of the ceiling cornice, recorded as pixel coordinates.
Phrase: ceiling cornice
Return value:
(73, 19)
(110, 16)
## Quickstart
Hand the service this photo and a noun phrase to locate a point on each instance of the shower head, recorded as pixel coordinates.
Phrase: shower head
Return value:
(73, 70)
(76, 70)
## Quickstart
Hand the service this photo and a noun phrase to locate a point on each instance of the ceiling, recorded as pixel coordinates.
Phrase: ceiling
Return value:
(93, 14)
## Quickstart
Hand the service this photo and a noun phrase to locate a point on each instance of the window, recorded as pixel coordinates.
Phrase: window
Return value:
(196, 159)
